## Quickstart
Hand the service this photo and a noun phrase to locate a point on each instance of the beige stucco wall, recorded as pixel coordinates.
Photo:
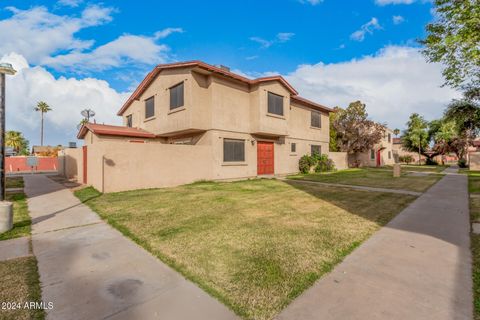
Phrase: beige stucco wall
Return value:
(340, 159)
(474, 161)
(72, 163)
(398, 151)
(119, 166)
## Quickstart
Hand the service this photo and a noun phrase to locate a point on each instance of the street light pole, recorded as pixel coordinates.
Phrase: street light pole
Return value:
(5, 68)
(6, 210)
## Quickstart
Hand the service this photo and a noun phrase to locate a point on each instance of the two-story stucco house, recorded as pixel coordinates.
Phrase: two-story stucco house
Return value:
(381, 154)
(250, 127)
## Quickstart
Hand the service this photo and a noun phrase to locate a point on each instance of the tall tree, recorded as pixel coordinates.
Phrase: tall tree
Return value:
(355, 132)
(333, 145)
(396, 132)
(416, 138)
(466, 115)
(15, 140)
(453, 39)
(43, 108)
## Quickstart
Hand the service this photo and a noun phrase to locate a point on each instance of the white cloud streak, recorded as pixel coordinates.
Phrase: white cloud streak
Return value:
(281, 37)
(397, 20)
(367, 28)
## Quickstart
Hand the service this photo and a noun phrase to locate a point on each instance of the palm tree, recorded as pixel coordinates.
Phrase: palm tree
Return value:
(14, 139)
(396, 132)
(43, 107)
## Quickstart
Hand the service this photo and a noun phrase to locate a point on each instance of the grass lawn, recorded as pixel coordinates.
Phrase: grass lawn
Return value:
(473, 181)
(424, 168)
(255, 245)
(19, 283)
(14, 182)
(372, 177)
(21, 218)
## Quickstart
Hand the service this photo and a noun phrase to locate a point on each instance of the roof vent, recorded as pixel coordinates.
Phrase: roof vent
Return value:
(224, 68)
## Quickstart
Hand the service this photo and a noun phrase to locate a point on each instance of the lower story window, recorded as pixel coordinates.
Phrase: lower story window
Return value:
(372, 154)
(315, 149)
(389, 154)
(233, 150)
(293, 147)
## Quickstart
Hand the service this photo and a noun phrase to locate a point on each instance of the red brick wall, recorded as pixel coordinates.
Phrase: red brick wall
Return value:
(19, 164)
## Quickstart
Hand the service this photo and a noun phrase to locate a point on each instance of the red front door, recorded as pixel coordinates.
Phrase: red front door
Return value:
(379, 160)
(85, 164)
(265, 163)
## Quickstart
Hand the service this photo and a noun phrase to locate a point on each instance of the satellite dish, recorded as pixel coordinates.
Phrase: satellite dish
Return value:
(88, 113)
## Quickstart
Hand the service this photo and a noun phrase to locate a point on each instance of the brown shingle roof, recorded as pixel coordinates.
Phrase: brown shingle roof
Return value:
(108, 130)
(396, 140)
(152, 75)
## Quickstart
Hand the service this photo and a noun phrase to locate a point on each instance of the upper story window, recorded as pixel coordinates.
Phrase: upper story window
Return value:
(129, 119)
(275, 104)
(389, 138)
(316, 121)
(233, 150)
(149, 107)
(176, 96)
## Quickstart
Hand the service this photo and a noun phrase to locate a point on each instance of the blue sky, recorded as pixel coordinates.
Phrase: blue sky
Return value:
(333, 52)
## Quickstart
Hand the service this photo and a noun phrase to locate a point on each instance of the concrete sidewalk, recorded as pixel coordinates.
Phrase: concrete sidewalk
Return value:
(91, 271)
(416, 267)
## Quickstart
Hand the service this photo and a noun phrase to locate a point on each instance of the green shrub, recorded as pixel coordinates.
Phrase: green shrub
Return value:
(324, 164)
(406, 159)
(320, 163)
(431, 162)
(462, 163)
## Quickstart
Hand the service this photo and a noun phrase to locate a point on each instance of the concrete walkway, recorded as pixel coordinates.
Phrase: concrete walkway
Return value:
(417, 267)
(14, 248)
(91, 271)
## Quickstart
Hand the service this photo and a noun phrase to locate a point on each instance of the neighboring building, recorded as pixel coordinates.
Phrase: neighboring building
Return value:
(45, 150)
(248, 127)
(10, 152)
(399, 151)
(380, 155)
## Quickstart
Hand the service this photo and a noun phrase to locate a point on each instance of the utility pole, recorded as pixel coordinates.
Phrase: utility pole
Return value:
(5, 68)
(6, 210)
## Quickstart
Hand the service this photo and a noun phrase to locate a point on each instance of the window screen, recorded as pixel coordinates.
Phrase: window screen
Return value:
(293, 147)
(176, 96)
(275, 104)
(233, 150)
(129, 120)
(315, 119)
(315, 149)
(149, 108)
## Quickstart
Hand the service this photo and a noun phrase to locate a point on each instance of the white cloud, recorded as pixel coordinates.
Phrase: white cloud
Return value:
(166, 32)
(368, 27)
(69, 3)
(117, 53)
(398, 19)
(281, 37)
(393, 83)
(48, 39)
(66, 96)
(387, 2)
(36, 33)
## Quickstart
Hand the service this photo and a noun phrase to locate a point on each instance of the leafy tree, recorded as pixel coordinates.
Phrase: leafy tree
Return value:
(453, 40)
(355, 132)
(466, 116)
(43, 108)
(396, 132)
(333, 145)
(416, 137)
(17, 141)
